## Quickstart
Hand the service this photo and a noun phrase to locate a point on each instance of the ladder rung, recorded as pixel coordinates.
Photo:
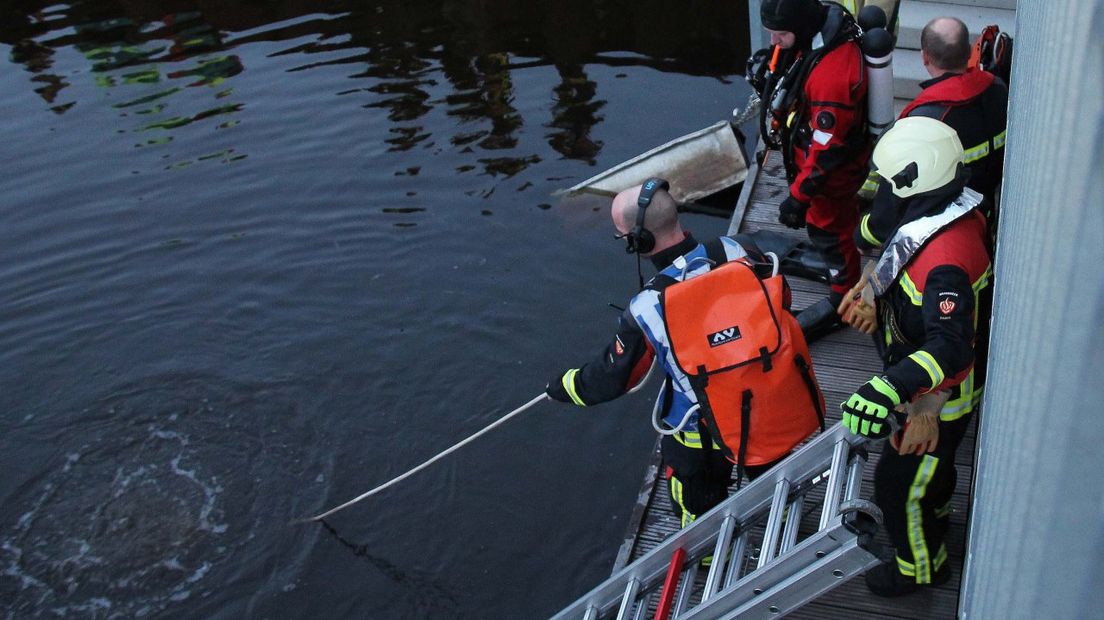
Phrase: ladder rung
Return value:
(774, 522)
(670, 584)
(642, 608)
(720, 554)
(832, 492)
(736, 561)
(854, 478)
(629, 599)
(793, 520)
(686, 589)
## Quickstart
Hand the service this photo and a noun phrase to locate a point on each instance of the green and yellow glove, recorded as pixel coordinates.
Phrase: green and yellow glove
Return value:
(867, 411)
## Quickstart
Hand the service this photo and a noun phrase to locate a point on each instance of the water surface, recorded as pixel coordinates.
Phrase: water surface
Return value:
(256, 258)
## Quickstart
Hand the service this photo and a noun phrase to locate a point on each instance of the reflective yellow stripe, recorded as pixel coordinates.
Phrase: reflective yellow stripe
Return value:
(914, 520)
(850, 6)
(943, 511)
(958, 407)
(692, 439)
(909, 569)
(998, 140)
(864, 228)
(940, 558)
(676, 494)
(914, 294)
(870, 186)
(925, 360)
(983, 279)
(979, 393)
(975, 153)
(568, 382)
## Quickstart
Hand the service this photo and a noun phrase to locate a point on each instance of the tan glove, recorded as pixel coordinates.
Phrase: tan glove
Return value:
(920, 434)
(857, 308)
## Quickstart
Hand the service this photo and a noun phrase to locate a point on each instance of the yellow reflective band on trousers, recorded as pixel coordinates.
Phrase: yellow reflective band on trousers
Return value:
(864, 229)
(568, 382)
(925, 360)
(909, 570)
(676, 494)
(692, 439)
(998, 140)
(914, 520)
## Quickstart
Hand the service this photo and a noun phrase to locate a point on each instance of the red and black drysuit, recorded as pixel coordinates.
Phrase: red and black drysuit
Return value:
(825, 144)
(698, 471)
(928, 320)
(975, 105)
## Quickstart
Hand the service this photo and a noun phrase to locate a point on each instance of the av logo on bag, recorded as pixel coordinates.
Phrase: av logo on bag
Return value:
(724, 336)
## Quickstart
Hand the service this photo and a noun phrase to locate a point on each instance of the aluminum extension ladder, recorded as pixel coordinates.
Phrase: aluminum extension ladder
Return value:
(760, 568)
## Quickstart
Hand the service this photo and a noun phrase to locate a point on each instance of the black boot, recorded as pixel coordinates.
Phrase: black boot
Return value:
(819, 319)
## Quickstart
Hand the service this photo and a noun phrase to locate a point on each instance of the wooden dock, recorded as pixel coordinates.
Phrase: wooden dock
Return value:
(843, 360)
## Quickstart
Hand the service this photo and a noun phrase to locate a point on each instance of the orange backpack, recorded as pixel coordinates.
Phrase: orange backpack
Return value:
(747, 361)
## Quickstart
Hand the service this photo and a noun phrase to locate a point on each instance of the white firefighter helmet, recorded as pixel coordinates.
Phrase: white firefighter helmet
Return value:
(918, 154)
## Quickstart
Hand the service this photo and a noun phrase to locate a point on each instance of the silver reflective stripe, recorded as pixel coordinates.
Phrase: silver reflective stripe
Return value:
(912, 236)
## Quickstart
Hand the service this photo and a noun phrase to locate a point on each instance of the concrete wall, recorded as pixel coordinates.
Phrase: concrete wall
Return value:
(1036, 535)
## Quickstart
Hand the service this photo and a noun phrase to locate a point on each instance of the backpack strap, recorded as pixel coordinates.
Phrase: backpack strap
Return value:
(745, 430)
(807, 377)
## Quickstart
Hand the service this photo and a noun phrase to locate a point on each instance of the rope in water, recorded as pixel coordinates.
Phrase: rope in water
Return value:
(431, 461)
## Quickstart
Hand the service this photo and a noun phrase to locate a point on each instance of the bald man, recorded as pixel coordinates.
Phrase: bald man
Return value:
(972, 101)
(699, 471)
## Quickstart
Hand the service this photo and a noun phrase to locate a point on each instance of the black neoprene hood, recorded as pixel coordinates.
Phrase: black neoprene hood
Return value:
(801, 17)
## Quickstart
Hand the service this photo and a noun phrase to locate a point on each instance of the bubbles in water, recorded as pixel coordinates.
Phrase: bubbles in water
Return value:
(159, 486)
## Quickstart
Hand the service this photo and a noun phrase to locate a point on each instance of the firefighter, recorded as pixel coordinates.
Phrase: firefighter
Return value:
(700, 466)
(928, 284)
(974, 102)
(815, 96)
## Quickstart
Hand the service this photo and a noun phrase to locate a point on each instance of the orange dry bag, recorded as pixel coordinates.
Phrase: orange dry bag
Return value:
(747, 362)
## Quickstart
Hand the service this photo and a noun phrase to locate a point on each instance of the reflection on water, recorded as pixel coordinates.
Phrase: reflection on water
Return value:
(403, 51)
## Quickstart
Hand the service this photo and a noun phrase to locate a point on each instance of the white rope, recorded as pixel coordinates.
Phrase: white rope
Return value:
(419, 468)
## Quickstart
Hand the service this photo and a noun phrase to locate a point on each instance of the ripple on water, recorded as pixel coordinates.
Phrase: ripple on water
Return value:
(161, 486)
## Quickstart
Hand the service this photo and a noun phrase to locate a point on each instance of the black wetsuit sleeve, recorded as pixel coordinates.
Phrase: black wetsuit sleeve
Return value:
(620, 366)
(948, 349)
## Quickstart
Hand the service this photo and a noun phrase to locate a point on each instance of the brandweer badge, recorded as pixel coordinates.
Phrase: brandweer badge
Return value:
(947, 306)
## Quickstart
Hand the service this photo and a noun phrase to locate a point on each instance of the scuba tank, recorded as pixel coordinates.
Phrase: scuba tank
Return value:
(877, 48)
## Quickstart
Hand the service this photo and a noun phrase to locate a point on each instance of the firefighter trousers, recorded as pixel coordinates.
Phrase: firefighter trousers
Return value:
(914, 494)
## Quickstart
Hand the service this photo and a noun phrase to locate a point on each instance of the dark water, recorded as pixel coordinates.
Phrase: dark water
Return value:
(259, 257)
